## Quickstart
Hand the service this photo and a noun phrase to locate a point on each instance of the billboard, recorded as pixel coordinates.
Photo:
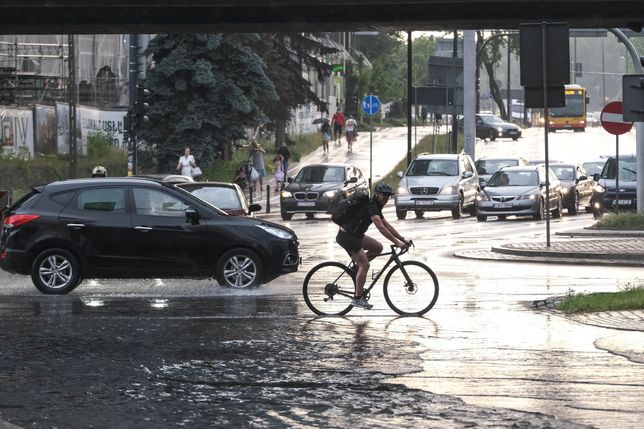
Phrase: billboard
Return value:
(16, 130)
(89, 120)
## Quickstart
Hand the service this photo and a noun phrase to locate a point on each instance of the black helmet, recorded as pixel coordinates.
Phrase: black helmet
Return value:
(383, 188)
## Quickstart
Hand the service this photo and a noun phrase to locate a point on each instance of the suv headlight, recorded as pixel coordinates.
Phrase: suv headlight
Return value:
(599, 188)
(402, 191)
(286, 194)
(482, 197)
(448, 190)
(330, 194)
(277, 232)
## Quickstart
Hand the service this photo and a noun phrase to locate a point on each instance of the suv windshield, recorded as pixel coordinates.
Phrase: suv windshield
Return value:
(433, 167)
(320, 174)
(627, 169)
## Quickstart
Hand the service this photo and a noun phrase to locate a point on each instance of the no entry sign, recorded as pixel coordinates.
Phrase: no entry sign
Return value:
(612, 119)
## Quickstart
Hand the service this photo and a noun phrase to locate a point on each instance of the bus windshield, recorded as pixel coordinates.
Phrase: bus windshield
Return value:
(574, 106)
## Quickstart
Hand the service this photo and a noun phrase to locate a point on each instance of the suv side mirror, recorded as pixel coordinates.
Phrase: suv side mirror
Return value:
(400, 174)
(596, 177)
(254, 208)
(289, 179)
(192, 214)
(467, 174)
(353, 179)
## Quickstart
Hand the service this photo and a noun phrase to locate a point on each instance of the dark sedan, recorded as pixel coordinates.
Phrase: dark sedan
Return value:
(226, 196)
(71, 230)
(317, 188)
(492, 127)
(576, 186)
(519, 191)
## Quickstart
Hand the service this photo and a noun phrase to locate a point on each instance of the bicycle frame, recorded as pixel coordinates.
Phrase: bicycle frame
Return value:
(394, 257)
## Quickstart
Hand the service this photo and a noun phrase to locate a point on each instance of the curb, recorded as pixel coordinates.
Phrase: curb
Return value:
(602, 256)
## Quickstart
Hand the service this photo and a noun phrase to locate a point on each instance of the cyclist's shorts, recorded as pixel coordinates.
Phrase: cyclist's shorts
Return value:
(349, 242)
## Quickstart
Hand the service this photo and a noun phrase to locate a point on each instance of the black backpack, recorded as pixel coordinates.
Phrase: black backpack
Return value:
(344, 211)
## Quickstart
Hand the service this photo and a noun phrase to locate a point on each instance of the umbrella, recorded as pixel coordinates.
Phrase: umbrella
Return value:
(320, 121)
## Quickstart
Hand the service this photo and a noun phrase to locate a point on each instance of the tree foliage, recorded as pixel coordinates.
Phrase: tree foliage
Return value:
(206, 90)
(286, 54)
(489, 53)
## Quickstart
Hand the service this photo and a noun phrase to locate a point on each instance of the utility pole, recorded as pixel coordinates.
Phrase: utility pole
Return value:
(71, 94)
(454, 143)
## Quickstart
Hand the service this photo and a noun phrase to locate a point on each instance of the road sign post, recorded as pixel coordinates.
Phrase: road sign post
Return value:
(370, 106)
(612, 119)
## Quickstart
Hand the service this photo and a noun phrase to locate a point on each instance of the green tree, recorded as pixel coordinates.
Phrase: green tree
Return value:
(204, 94)
(489, 55)
(286, 54)
(387, 77)
(422, 48)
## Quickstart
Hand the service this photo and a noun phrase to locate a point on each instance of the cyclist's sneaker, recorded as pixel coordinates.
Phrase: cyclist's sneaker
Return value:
(361, 302)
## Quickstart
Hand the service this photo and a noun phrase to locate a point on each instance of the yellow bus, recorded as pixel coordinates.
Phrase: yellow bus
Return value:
(573, 115)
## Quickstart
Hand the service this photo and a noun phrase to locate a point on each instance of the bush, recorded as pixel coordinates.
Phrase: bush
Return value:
(624, 220)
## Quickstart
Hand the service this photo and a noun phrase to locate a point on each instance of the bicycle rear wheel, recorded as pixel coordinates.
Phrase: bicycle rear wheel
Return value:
(328, 289)
(413, 299)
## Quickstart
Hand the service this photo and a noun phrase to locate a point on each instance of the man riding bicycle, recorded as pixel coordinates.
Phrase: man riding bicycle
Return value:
(362, 248)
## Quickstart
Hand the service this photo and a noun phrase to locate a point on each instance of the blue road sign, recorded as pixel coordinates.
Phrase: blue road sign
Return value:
(370, 104)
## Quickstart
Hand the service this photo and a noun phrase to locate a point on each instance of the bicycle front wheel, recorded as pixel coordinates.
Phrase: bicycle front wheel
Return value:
(328, 289)
(413, 298)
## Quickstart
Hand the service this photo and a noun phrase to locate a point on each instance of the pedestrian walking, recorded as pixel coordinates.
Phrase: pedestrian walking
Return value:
(326, 136)
(186, 163)
(337, 121)
(278, 163)
(286, 154)
(257, 157)
(351, 132)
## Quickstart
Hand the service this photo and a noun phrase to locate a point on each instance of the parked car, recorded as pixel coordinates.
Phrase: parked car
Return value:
(168, 178)
(317, 188)
(543, 161)
(576, 186)
(591, 120)
(595, 165)
(519, 191)
(435, 182)
(486, 167)
(225, 196)
(606, 196)
(492, 127)
(71, 230)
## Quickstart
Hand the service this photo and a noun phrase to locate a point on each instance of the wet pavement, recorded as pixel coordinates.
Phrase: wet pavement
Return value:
(228, 362)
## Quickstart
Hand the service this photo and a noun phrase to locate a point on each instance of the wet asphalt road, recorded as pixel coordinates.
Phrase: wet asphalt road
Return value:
(236, 361)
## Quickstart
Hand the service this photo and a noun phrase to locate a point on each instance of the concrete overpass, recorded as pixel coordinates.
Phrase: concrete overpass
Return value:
(155, 16)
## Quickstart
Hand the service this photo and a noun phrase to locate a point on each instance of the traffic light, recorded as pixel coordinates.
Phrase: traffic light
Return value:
(141, 105)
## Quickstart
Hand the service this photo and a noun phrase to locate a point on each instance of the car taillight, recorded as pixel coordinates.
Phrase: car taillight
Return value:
(17, 220)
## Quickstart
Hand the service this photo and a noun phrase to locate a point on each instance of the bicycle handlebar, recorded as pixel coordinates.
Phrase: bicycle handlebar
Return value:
(402, 251)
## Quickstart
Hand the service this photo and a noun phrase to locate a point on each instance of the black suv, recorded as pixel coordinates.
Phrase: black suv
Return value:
(606, 196)
(66, 231)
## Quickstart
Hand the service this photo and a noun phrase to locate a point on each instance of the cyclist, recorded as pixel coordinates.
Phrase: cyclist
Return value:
(362, 248)
(99, 171)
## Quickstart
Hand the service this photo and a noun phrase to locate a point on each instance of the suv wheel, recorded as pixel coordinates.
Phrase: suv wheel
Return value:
(286, 216)
(401, 214)
(55, 272)
(541, 210)
(557, 213)
(457, 212)
(239, 268)
(572, 210)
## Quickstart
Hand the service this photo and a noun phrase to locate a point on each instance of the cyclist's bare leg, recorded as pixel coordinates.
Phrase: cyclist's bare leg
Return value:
(372, 247)
(362, 262)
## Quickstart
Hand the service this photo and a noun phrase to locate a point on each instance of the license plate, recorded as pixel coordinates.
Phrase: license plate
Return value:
(622, 202)
(513, 132)
(424, 202)
(306, 203)
(502, 205)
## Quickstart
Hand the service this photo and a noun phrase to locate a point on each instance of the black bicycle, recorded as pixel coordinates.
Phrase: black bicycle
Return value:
(410, 287)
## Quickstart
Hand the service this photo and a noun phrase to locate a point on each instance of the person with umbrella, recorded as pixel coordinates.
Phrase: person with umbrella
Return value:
(326, 136)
